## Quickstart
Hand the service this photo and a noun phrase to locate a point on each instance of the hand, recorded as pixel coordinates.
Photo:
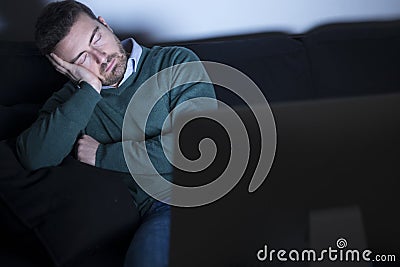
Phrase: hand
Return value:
(86, 149)
(75, 72)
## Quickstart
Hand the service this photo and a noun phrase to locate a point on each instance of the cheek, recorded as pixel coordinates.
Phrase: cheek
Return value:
(112, 46)
(92, 66)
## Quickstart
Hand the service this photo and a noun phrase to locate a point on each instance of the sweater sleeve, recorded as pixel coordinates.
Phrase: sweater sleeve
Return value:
(111, 156)
(52, 136)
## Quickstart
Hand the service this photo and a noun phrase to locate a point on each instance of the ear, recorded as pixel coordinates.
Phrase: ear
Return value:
(103, 21)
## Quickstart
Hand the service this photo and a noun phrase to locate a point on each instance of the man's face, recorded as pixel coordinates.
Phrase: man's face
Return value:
(91, 44)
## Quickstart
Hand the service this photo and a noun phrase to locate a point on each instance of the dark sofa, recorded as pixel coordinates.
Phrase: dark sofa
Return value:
(341, 60)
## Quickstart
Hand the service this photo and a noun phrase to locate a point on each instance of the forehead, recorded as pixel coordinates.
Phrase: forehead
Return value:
(77, 39)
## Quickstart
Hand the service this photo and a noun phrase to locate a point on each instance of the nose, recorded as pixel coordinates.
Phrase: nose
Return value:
(100, 56)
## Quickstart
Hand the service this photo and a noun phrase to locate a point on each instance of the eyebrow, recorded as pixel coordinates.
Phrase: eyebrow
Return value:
(90, 41)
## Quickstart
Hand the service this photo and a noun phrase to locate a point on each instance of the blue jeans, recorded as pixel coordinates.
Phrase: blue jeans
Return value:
(150, 244)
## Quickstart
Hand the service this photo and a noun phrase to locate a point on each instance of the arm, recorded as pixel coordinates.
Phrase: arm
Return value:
(111, 156)
(52, 136)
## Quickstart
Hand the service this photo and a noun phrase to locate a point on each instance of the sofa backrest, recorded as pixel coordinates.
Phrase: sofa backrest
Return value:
(355, 58)
(27, 81)
(278, 65)
(27, 76)
(331, 61)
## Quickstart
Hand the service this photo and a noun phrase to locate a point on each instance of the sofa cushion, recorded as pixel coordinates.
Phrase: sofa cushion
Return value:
(355, 58)
(82, 215)
(276, 63)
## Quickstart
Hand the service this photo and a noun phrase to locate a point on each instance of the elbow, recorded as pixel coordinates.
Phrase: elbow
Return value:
(27, 161)
(31, 158)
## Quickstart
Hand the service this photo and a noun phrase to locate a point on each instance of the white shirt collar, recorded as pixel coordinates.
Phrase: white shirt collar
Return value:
(133, 59)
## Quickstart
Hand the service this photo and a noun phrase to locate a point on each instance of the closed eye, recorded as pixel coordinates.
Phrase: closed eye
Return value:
(97, 38)
(82, 58)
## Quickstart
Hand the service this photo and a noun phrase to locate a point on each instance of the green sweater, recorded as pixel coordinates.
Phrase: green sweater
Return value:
(73, 111)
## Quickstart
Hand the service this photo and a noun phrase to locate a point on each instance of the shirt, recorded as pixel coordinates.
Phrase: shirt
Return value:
(130, 45)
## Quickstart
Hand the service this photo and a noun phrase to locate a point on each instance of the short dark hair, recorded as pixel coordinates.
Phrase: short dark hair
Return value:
(56, 21)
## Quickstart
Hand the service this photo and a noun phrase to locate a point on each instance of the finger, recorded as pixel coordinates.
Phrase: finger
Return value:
(61, 62)
(61, 69)
(81, 142)
(65, 67)
(57, 66)
(52, 61)
(85, 139)
(56, 58)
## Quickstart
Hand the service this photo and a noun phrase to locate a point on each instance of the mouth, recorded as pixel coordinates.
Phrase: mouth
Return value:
(110, 65)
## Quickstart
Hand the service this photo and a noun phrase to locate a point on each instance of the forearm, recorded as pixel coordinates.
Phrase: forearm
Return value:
(51, 138)
(112, 157)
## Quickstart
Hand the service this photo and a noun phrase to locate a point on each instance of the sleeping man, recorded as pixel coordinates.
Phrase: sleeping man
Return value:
(86, 115)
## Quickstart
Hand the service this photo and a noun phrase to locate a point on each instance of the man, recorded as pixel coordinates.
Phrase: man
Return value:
(87, 114)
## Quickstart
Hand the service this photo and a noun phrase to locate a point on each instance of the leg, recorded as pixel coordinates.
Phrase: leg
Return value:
(150, 244)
